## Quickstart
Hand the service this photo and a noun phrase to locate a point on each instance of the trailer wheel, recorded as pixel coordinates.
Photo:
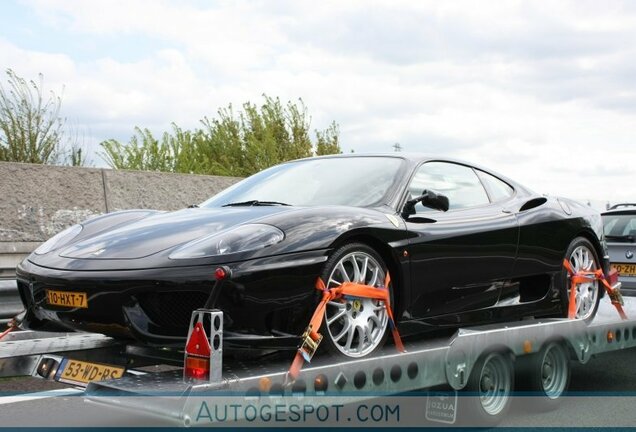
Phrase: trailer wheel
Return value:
(487, 395)
(545, 375)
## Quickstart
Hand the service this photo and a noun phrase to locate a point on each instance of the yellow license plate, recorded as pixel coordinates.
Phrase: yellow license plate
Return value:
(80, 372)
(67, 298)
(625, 269)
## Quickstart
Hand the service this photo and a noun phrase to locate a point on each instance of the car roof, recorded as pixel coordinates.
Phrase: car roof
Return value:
(621, 205)
(411, 156)
(621, 208)
(416, 158)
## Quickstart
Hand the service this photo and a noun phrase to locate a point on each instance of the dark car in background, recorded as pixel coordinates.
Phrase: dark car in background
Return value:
(463, 245)
(620, 234)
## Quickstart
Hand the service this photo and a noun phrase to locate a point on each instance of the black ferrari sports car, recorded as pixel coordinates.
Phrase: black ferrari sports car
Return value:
(463, 246)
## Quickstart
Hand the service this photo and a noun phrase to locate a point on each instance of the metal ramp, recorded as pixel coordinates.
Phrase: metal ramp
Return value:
(21, 351)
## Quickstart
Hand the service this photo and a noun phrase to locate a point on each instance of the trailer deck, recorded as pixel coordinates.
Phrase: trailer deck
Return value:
(444, 361)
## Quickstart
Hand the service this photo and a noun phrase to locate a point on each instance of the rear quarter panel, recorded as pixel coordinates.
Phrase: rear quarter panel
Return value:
(546, 232)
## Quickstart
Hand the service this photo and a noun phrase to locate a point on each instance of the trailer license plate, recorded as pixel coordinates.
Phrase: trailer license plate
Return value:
(80, 372)
(441, 407)
(625, 269)
(67, 298)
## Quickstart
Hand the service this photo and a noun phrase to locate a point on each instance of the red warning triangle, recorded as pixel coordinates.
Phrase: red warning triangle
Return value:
(198, 343)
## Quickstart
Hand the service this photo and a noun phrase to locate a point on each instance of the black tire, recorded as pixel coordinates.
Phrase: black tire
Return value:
(487, 397)
(331, 345)
(544, 377)
(580, 242)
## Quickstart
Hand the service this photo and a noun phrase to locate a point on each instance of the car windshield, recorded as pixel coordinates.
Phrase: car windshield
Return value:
(353, 181)
(620, 227)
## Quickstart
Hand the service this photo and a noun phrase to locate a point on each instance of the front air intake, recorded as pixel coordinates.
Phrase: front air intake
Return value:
(172, 309)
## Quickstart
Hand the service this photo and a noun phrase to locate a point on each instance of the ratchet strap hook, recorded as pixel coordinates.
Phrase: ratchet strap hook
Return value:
(583, 276)
(311, 339)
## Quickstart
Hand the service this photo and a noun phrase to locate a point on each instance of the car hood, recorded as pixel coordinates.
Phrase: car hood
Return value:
(159, 232)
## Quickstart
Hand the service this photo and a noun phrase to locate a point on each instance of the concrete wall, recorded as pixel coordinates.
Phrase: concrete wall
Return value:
(37, 201)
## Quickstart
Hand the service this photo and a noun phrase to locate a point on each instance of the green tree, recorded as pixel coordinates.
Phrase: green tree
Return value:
(31, 128)
(327, 141)
(30, 123)
(230, 144)
(75, 153)
(222, 145)
(143, 152)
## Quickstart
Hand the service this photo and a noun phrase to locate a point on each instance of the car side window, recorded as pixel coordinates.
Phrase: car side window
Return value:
(497, 189)
(458, 182)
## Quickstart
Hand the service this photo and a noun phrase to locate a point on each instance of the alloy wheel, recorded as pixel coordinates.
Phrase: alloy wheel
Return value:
(356, 325)
(587, 293)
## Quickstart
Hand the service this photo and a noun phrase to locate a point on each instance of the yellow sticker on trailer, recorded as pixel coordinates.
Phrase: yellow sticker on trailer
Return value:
(81, 372)
(67, 298)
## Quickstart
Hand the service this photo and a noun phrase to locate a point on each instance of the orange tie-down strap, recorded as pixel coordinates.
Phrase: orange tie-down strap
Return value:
(12, 326)
(311, 338)
(589, 276)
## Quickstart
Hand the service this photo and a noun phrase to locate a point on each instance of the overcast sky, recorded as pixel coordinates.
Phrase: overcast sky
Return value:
(543, 92)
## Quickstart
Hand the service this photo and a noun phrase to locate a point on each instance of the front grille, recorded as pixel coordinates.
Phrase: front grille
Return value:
(172, 309)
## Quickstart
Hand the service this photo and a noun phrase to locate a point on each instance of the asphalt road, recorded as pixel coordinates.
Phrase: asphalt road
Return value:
(602, 394)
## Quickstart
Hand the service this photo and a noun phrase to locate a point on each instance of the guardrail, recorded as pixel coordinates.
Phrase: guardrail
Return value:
(10, 303)
(11, 253)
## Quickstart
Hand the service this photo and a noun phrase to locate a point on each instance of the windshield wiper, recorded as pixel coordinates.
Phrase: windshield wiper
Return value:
(255, 203)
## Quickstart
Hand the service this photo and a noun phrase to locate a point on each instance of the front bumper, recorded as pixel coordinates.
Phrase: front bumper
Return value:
(266, 302)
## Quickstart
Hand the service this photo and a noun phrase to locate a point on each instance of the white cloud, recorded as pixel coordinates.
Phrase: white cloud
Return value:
(543, 92)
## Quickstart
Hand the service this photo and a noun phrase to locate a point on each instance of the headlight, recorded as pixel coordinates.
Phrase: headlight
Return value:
(59, 240)
(243, 238)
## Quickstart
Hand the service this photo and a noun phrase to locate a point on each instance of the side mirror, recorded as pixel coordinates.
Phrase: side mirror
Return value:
(428, 198)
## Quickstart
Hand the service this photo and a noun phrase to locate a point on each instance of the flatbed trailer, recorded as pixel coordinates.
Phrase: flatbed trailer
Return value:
(478, 361)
